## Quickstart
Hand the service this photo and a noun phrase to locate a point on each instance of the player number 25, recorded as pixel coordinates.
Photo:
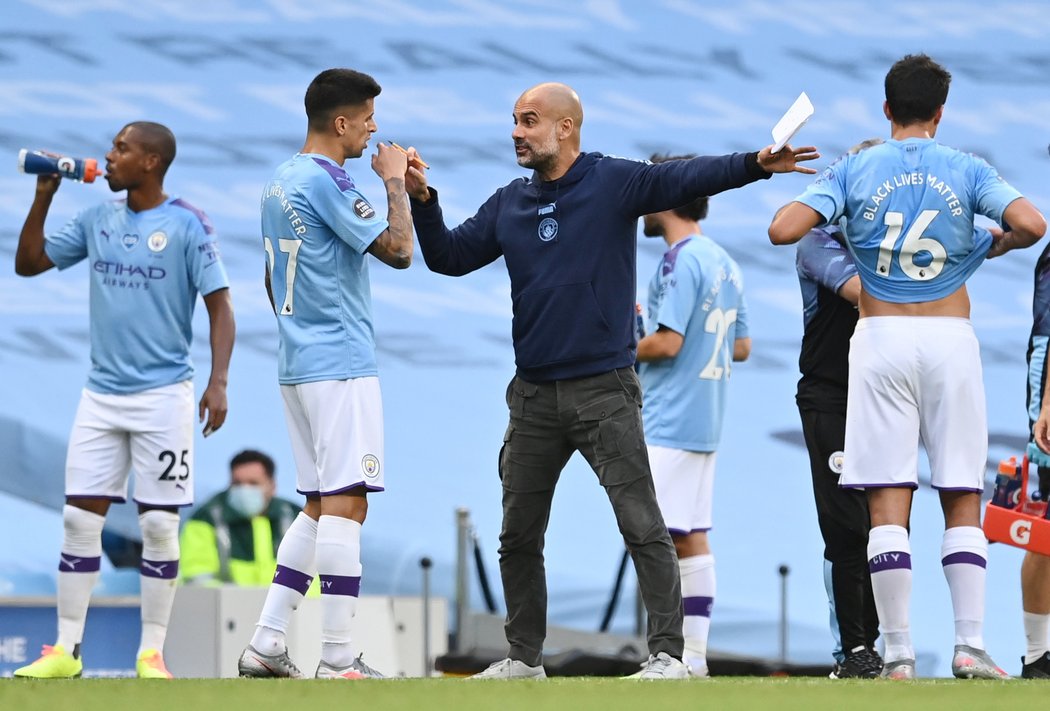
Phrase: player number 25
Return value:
(291, 248)
(718, 323)
(913, 243)
(168, 457)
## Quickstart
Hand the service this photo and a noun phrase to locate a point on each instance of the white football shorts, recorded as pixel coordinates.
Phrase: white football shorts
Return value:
(336, 428)
(684, 484)
(150, 433)
(913, 377)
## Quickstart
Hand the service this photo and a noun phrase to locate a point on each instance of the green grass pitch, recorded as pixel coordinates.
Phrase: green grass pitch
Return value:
(576, 694)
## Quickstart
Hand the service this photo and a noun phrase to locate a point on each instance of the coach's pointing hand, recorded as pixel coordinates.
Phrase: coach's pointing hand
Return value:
(787, 159)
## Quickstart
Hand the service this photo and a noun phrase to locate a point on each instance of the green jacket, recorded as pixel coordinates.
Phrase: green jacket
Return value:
(219, 545)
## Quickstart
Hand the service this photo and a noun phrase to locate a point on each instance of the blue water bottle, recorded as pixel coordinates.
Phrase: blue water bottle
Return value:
(639, 322)
(83, 170)
(1008, 484)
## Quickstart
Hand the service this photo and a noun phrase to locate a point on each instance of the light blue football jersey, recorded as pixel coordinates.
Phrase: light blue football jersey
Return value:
(909, 208)
(316, 228)
(697, 291)
(146, 271)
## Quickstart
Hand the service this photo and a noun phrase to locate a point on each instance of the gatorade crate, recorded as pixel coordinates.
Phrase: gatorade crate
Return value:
(1023, 526)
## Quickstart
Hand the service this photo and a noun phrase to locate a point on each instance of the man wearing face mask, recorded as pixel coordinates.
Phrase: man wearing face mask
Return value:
(233, 537)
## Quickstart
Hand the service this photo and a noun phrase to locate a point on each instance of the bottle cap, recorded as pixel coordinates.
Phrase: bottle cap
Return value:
(91, 170)
(1008, 466)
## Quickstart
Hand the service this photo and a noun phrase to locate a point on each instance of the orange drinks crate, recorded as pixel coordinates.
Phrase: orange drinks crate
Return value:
(1024, 526)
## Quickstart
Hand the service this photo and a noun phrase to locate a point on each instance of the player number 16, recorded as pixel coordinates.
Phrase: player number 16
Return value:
(913, 244)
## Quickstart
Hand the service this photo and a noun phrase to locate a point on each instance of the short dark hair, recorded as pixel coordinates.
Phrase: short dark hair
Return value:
(694, 210)
(254, 456)
(916, 86)
(333, 89)
(159, 139)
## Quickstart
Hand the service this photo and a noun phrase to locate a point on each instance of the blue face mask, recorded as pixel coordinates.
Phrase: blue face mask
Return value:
(246, 499)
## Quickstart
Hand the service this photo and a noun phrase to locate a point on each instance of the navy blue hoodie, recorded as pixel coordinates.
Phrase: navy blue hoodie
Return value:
(570, 249)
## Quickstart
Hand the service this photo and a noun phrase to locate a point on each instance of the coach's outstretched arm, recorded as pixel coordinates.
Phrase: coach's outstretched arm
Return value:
(30, 257)
(453, 252)
(792, 222)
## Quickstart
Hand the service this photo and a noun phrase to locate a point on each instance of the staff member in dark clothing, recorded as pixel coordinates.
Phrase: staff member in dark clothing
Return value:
(568, 235)
(830, 291)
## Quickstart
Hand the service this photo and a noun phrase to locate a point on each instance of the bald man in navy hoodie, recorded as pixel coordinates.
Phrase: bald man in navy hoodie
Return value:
(568, 236)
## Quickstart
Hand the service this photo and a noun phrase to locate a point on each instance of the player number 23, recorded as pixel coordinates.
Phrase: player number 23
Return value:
(718, 323)
(913, 244)
(291, 248)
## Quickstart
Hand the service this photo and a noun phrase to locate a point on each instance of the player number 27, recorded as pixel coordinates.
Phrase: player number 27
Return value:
(718, 323)
(291, 248)
(913, 243)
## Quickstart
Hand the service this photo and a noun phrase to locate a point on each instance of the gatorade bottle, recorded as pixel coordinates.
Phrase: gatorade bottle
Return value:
(639, 322)
(1008, 484)
(84, 170)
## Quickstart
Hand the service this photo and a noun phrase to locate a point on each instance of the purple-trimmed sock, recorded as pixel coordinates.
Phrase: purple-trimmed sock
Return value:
(78, 571)
(964, 556)
(291, 580)
(339, 567)
(158, 573)
(698, 597)
(889, 560)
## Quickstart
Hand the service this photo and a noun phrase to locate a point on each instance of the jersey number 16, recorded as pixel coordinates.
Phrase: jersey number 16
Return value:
(913, 244)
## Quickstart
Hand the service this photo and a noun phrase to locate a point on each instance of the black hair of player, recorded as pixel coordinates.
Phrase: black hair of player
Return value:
(156, 138)
(916, 86)
(333, 89)
(253, 456)
(694, 210)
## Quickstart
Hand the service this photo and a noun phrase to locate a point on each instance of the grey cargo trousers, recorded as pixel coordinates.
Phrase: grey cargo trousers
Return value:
(600, 416)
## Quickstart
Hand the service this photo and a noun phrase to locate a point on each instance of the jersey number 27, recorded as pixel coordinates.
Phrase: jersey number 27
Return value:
(291, 248)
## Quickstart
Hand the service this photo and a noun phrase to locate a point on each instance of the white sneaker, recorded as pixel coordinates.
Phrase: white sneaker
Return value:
(511, 669)
(661, 666)
(697, 667)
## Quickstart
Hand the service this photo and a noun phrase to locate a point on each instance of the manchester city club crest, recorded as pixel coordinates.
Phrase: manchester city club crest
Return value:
(548, 229)
(157, 241)
(370, 466)
(835, 462)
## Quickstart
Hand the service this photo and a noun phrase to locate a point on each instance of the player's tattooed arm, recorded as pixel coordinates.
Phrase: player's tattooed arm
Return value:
(395, 244)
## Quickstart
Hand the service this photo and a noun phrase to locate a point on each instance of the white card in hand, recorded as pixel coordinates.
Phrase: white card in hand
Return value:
(792, 120)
